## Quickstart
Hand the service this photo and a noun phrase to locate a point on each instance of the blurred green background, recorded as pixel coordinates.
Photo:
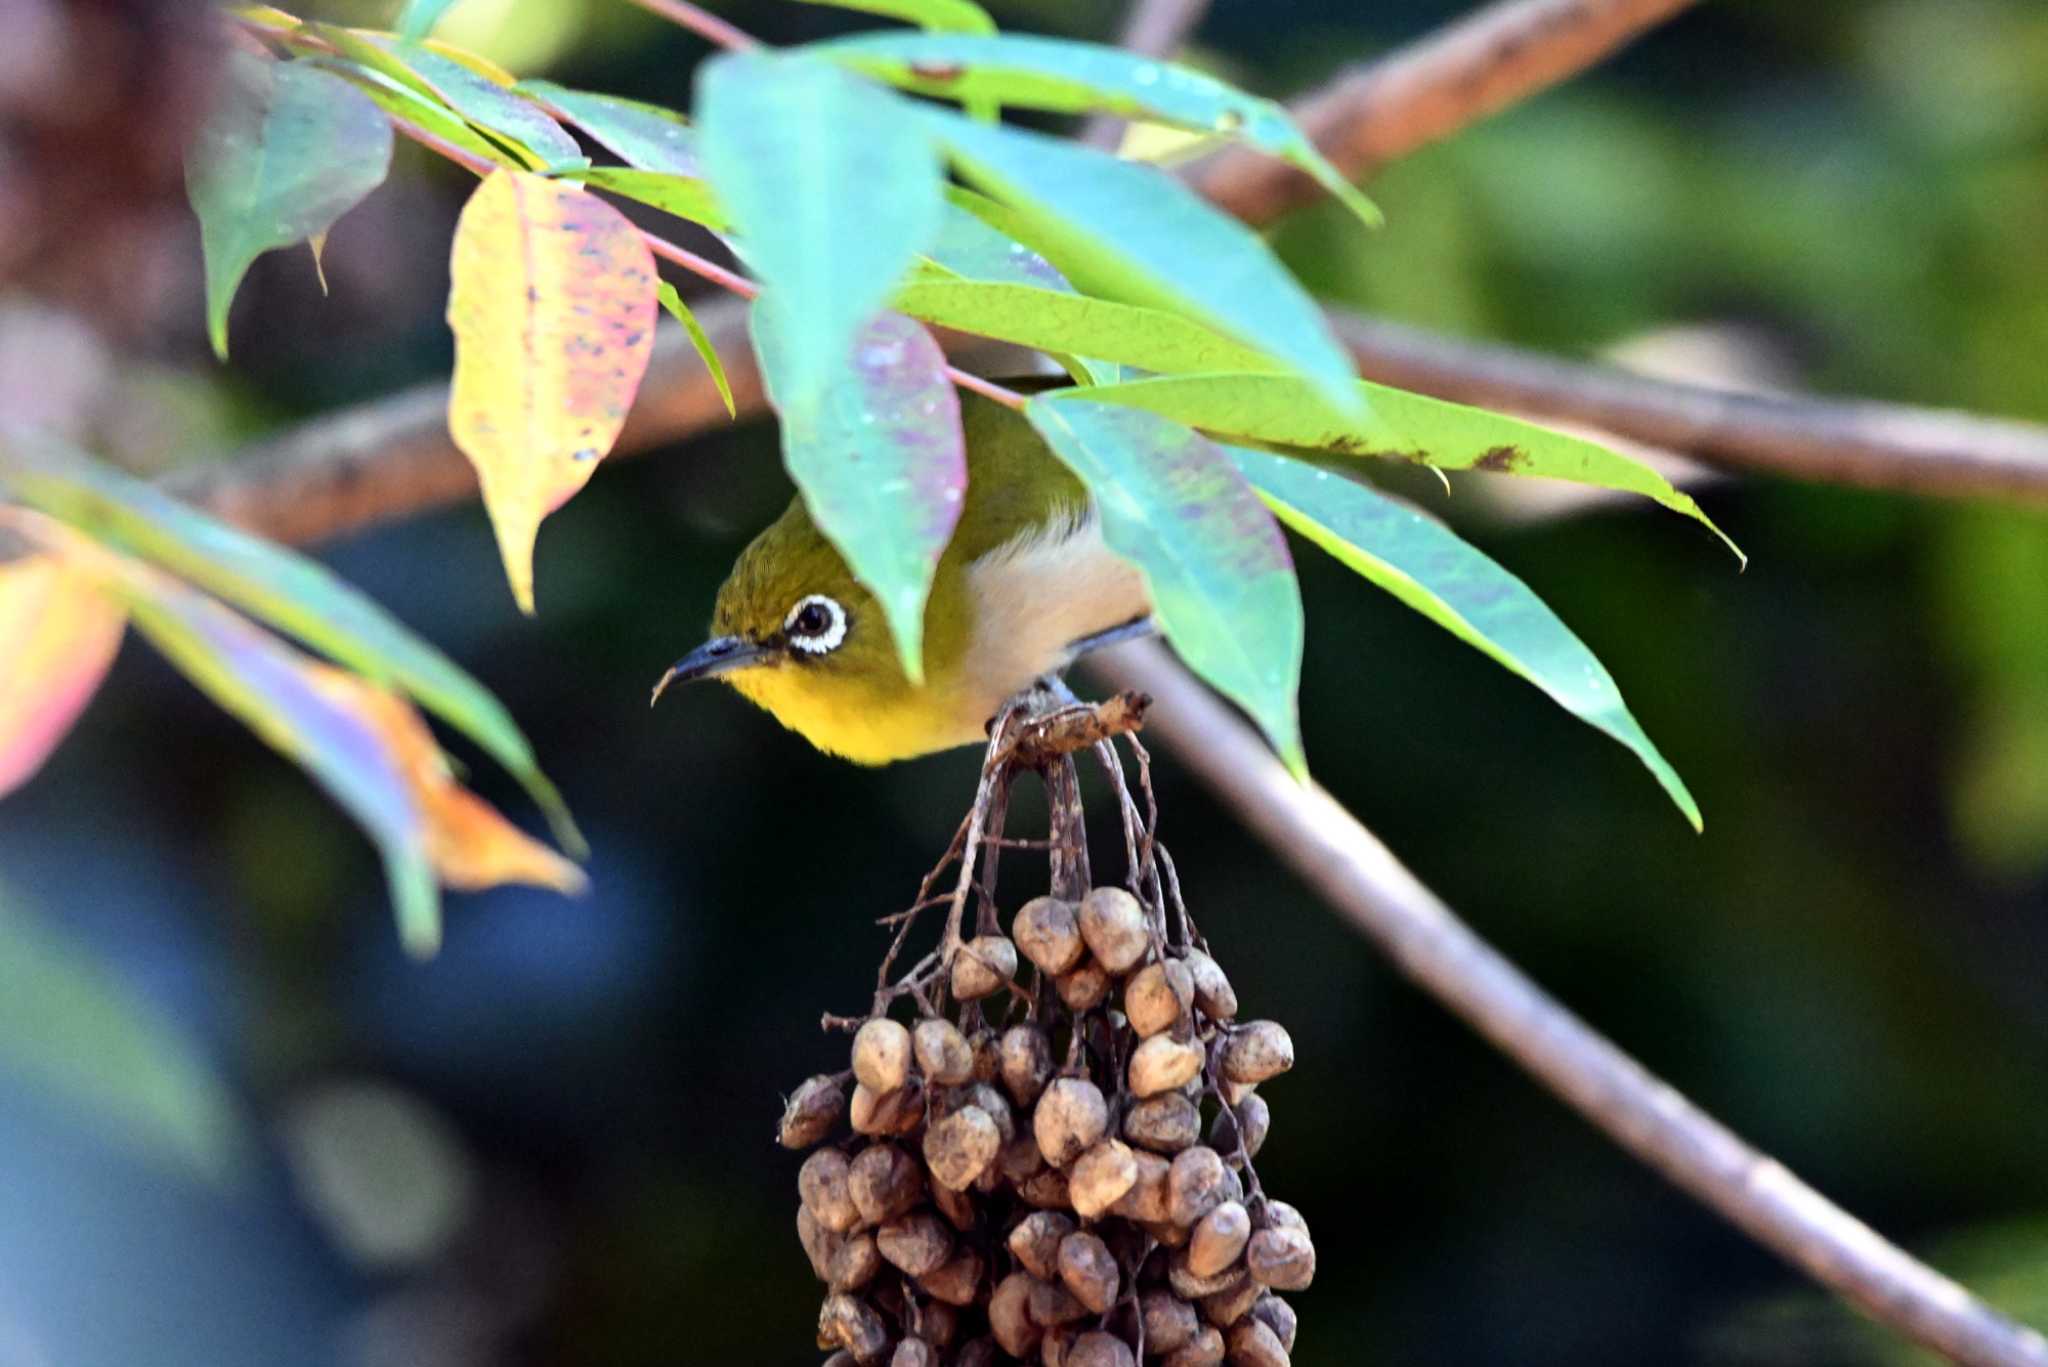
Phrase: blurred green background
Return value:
(552, 1144)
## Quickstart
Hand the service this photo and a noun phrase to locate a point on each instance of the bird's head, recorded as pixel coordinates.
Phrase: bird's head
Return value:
(796, 633)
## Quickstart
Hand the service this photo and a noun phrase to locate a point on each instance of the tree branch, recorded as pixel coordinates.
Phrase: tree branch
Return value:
(1358, 876)
(1382, 110)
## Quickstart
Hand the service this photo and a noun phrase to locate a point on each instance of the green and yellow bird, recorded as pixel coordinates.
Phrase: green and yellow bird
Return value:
(1026, 585)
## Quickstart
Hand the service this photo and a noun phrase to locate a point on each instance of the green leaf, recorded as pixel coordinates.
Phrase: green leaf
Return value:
(878, 455)
(519, 123)
(1222, 583)
(835, 186)
(402, 102)
(287, 151)
(684, 196)
(1049, 320)
(266, 685)
(1449, 436)
(418, 18)
(673, 302)
(1132, 233)
(643, 135)
(968, 248)
(285, 589)
(1067, 77)
(69, 1025)
(1428, 567)
(945, 16)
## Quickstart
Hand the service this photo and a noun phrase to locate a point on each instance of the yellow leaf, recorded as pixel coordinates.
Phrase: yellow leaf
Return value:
(58, 634)
(552, 300)
(469, 844)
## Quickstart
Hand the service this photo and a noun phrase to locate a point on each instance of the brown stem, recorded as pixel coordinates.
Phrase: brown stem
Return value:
(703, 23)
(1152, 28)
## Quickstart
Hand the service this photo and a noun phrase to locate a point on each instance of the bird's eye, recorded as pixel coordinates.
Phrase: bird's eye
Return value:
(816, 625)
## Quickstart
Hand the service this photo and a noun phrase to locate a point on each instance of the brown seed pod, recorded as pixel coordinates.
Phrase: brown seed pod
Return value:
(1146, 1201)
(1115, 928)
(997, 1106)
(1166, 1123)
(1069, 1117)
(811, 1112)
(854, 1263)
(822, 1183)
(885, 1182)
(1050, 1304)
(1280, 1215)
(1190, 1285)
(961, 1146)
(1083, 987)
(1024, 1058)
(1089, 1271)
(1251, 1117)
(1046, 931)
(1097, 1349)
(918, 1243)
(957, 1206)
(980, 1352)
(936, 1322)
(881, 1055)
(1057, 1343)
(1170, 1322)
(819, 1243)
(983, 965)
(1278, 1316)
(1099, 1176)
(1226, 1308)
(1218, 1238)
(987, 1063)
(851, 1323)
(1035, 1242)
(1163, 1063)
(1197, 1185)
(1020, 1157)
(1167, 1234)
(1253, 1344)
(1213, 993)
(1283, 1259)
(1009, 1315)
(955, 1281)
(943, 1054)
(1255, 1052)
(1158, 996)
(1205, 1350)
(885, 1113)
(914, 1353)
(1046, 1190)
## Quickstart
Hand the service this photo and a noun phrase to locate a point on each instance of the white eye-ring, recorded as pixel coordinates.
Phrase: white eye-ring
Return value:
(816, 625)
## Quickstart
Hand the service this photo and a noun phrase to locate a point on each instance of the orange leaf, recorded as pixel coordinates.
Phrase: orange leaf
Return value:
(58, 634)
(469, 844)
(552, 301)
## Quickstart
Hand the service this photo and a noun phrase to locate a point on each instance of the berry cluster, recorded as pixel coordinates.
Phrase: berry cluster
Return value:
(1052, 1160)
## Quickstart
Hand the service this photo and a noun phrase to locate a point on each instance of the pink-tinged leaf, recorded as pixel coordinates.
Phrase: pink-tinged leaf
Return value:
(879, 457)
(553, 307)
(58, 634)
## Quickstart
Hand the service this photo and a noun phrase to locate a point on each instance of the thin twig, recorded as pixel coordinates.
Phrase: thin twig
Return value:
(703, 23)
(1359, 877)
(1153, 28)
(1382, 110)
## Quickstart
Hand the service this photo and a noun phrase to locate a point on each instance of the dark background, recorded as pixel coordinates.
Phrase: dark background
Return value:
(552, 1144)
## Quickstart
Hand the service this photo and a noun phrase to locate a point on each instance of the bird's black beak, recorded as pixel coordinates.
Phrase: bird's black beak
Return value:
(719, 655)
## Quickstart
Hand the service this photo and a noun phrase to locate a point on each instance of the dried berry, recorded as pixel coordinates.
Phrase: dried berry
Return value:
(811, 1112)
(1024, 1058)
(1218, 1238)
(1009, 1315)
(1047, 932)
(1163, 1063)
(1278, 1316)
(885, 1113)
(1197, 1185)
(943, 1054)
(822, 1183)
(1245, 1123)
(1115, 928)
(1212, 989)
(1255, 1052)
(1070, 1117)
(1146, 1201)
(1204, 1350)
(1166, 1123)
(850, 1323)
(918, 1243)
(1282, 1258)
(983, 966)
(1098, 1349)
(1252, 1344)
(1158, 996)
(1084, 987)
(1100, 1176)
(1170, 1322)
(854, 1263)
(960, 1147)
(885, 1182)
(1087, 1269)
(881, 1056)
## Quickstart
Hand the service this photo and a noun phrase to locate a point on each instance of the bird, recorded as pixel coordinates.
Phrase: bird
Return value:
(1026, 586)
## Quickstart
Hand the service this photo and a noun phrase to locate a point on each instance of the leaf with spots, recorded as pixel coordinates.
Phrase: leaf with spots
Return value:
(287, 150)
(1222, 583)
(646, 136)
(1427, 566)
(285, 589)
(58, 634)
(833, 183)
(1062, 76)
(878, 455)
(1284, 411)
(552, 300)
